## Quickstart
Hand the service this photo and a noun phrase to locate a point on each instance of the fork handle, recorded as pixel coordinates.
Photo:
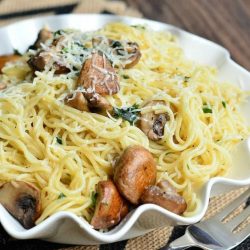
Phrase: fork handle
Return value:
(183, 242)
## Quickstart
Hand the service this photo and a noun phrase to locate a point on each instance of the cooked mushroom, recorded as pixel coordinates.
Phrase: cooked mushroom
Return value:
(134, 171)
(99, 102)
(128, 52)
(152, 124)
(7, 58)
(133, 50)
(22, 200)
(3, 86)
(42, 37)
(77, 101)
(39, 61)
(164, 195)
(60, 69)
(98, 76)
(99, 79)
(125, 209)
(110, 206)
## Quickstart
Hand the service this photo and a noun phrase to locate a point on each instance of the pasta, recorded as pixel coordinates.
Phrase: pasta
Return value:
(66, 152)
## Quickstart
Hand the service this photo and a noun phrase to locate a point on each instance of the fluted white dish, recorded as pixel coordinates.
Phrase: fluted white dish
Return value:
(65, 227)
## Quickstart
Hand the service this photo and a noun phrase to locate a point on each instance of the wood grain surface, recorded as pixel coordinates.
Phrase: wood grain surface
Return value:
(226, 22)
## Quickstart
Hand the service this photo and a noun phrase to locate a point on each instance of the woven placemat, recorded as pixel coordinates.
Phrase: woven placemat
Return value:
(14, 10)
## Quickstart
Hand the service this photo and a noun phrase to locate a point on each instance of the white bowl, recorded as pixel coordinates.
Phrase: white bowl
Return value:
(65, 227)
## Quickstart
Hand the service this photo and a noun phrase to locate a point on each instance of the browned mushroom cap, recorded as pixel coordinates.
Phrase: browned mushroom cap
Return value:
(42, 37)
(109, 206)
(7, 58)
(134, 171)
(98, 76)
(77, 101)
(152, 124)
(22, 200)
(164, 195)
(125, 209)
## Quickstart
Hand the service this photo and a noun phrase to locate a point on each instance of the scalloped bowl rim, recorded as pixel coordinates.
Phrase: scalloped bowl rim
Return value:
(120, 231)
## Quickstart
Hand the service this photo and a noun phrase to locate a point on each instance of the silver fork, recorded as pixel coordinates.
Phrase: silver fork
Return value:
(212, 233)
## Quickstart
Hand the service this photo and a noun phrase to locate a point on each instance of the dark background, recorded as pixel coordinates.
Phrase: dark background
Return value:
(226, 22)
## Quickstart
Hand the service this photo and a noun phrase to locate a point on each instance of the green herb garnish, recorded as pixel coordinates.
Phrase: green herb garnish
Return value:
(129, 114)
(80, 45)
(224, 104)
(61, 196)
(93, 198)
(207, 110)
(16, 52)
(188, 167)
(65, 50)
(125, 76)
(59, 140)
(139, 27)
(186, 78)
(58, 32)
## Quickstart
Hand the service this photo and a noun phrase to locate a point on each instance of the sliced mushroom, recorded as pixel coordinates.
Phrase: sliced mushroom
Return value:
(134, 53)
(134, 171)
(39, 61)
(128, 52)
(98, 76)
(99, 102)
(61, 69)
(77, 101)
(109, 206)
(7, 58)
(164, 195)
(42, 37)
(152, 124)
(22, 200)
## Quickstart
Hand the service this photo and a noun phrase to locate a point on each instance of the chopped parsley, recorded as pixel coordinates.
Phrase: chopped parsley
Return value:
(59, 140)
(207, 109)
(224, 104)
(186, 78)
(61, 196)
(80, 45)
(130, 114)
(65, 50)
(93, 198)
(58, 32)
(139, 27)
(116, 44)
(188, 167)
(125, 76)
(16, 52)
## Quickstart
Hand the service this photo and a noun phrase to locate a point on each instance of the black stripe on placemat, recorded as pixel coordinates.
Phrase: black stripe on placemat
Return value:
(114, 246)
(8, 243)
(63, 9)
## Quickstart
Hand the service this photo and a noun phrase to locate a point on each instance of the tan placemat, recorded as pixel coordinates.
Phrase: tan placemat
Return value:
(14, 10)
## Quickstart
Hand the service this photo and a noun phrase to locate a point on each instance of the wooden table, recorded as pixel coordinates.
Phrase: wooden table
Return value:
(226, 22)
